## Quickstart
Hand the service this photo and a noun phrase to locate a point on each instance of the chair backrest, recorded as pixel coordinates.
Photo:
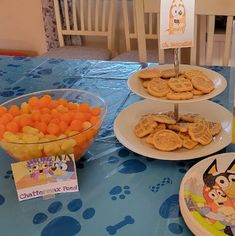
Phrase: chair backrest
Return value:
(205, 13)
(85, 18)
(141, 28)
(232, 61)
(206, 28)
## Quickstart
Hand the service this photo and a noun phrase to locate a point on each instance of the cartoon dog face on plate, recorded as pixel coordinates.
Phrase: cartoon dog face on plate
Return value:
(225, 180)
(217, 200)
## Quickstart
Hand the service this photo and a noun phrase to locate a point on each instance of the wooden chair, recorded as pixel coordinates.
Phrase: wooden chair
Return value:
(205, 30)
(84, 18)
(139, 27)
(232, 61)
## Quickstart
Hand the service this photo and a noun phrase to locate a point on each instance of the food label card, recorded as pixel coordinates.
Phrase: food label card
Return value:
(176, 23)
(45, 176)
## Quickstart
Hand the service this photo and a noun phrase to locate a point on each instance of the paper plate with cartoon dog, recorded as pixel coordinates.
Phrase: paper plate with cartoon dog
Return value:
(207, 196)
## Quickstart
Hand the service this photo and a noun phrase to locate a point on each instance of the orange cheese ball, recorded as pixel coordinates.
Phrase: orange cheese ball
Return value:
(53, 128)
(5, 118)
(33, 102)
(3, 110)
(63, 126)
(12, 127)
(94, 120)
(76, 125)
(14, 110)
(67, 117)
(80, 116)
(36, 115)
(84, 107)
(25, 120)
(41, 126)
(52, 117)
(72, 106)
(62, 101)
(95, 111)
(46, 118)
(53, 104)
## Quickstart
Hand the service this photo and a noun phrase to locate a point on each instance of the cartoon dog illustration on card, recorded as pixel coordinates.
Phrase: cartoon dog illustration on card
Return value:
(40, 168)
(177, 17)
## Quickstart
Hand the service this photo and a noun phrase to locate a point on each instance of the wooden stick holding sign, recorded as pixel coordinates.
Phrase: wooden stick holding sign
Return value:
(176, 30)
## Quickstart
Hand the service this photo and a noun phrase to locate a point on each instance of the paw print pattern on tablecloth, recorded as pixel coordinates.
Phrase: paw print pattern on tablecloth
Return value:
(129, 166)
(2, 72)
(2, 200)
(8, 174)
(35, 74)
(13, 65)
(119, 192)
(170, 210)
(185, 166)
(80, 164)
(165, 181)
(217, 68)
(55, 61)
(68, 82)
(12, 92)
(63, 225)
(113, 229)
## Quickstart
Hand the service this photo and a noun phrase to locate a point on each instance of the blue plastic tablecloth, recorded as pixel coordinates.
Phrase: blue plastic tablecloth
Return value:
(121, 193)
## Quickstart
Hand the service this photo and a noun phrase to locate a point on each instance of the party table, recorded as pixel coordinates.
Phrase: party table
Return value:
(121, 193)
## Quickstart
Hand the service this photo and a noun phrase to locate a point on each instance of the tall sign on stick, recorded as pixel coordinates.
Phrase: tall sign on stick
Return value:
(177, 23)
(177, 29)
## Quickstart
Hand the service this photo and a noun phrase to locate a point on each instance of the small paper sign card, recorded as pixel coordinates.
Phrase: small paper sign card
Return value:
(43, 176)
(176, 23)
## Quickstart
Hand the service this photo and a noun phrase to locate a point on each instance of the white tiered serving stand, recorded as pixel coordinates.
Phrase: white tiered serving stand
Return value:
(128, 118)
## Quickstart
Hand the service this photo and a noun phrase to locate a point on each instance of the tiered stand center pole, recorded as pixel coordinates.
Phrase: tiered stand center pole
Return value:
(176, 68)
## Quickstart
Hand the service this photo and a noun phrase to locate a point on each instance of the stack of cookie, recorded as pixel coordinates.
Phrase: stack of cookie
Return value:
(166, 134)
(164, 84)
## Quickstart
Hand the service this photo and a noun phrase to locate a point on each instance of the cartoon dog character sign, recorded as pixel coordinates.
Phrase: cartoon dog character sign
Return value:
(177, 17)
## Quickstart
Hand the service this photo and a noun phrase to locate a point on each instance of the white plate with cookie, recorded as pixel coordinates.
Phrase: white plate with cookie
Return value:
(194, 83)
(127, 120)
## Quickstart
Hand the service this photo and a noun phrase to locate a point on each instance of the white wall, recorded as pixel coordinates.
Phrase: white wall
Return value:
(21, 25)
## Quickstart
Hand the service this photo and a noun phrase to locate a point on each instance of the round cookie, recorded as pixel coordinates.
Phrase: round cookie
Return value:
(179, 96)
(179, 127)
(214, 127)
(149, 72)
(149, 138)
(190, 73)
(197, 92)
(200, 132)
(190, 117)
(164, 118)
(145, 126)
(180, 84)
(203, 84)
(166, 74)
(167, 140)
(158, 87)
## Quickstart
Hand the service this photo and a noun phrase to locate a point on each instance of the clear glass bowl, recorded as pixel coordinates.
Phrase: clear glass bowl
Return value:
(76, 143)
